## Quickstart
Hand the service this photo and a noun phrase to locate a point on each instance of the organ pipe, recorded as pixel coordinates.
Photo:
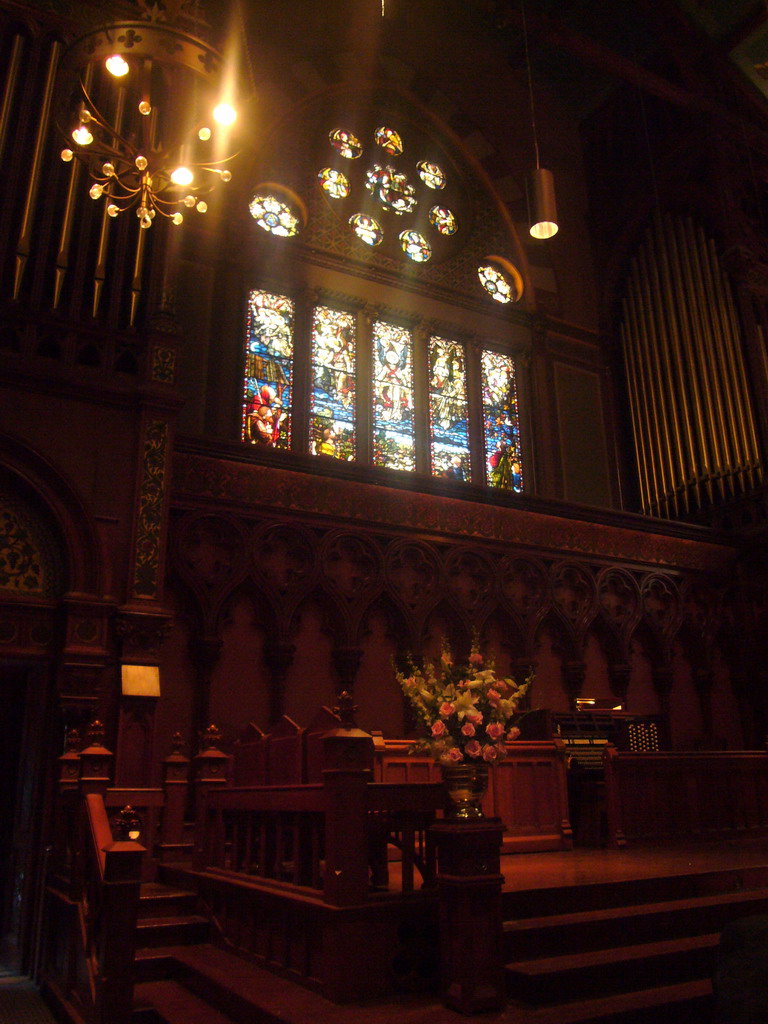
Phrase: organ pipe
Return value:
(694, 429)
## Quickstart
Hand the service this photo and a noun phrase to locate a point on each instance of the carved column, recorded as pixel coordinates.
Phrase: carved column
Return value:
(469, 884)
(662, 676)
(573, 673)
(619, 677)
(210, 768)
(176, 789)
(279, 658)
(347, 661)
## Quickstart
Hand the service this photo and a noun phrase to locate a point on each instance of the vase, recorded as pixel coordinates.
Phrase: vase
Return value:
(466, 785)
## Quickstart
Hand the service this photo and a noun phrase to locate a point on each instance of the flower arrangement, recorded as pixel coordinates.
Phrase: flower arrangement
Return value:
(466, 709)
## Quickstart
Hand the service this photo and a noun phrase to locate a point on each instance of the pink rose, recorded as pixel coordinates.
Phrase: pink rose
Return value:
(490, 753)
(438, 728)
(446, 710)
(475, 658)
(455, 754)
(474, 717)
(513, 733)
(468, 729)
(473, 749)
(495, 730)
(501, 686)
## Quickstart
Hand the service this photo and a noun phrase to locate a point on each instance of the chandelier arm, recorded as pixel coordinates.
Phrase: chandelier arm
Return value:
(102, 122)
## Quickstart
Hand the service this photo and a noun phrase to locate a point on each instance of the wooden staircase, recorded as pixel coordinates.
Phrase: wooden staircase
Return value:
(629, 952)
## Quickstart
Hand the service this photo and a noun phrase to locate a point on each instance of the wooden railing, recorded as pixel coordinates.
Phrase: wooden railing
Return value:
(330, 839)
(714, 795)
(88, 968)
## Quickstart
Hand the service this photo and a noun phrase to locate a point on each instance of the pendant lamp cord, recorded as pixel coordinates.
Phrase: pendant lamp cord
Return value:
(530, 83)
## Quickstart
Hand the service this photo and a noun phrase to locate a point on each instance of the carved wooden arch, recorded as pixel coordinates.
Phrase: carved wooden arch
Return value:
(82, 549)
(206, 552)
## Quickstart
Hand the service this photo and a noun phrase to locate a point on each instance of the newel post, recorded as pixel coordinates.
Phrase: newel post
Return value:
(348, 761)
(210, 773)
(176, 789)
(469, 887)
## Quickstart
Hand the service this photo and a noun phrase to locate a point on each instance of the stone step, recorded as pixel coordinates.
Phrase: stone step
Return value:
(188, 929)
(555, 934)
(169, 1002)
(158, 900)
(617, 969)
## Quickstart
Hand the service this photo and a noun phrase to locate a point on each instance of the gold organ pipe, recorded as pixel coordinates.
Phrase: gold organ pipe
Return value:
(666, 377)
(100, 271)
(661, 257)
(657, 388)
(136, 282)
(736, 357)
(640, 455)
(65, 235)
(690, 372)
(724, 369)
(718, 428)
(11, 82)
(643, 393)
(27, 219)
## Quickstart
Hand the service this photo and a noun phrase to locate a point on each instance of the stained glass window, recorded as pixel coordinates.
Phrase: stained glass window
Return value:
(500, 279)
(366, 228)
(501, 422)
(332, 412)
(334, 183)
(415, 246)
(389, 141)
(346, 144)
(391, 188)
(431, 174)
(393, 439)
(273, 215)
(442, 218)
(268, 370)
(448, 429)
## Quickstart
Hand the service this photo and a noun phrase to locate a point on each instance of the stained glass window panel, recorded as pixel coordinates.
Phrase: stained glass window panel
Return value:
(334, 386)
(268, 381)
(346, 144)
(393, 441)
(501, 422)
(449, 437)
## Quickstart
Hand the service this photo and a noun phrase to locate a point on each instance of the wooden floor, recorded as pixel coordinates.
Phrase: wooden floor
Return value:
(530, 871)
(283, 1001)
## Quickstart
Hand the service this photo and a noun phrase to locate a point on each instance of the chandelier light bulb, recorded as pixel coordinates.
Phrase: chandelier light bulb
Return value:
(66, 155)
(226, 175)
(141, 211)
(117, 65)
(108, 170)
(113, 210)
(82, 136)
(85, 116)
(96, 191)
(204, 134)
(177, 218)
(145, 107)
(224, 114)
(146, 221)
(141, 163)
(189, 201)
(202, 206)
(182, 176)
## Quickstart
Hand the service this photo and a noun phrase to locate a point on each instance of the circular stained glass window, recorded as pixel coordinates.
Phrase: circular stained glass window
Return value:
(366, 228)
(274, 216)
(391, 188)
(334, 183)
(501, 280)
(389, 141)
(430, 174)
(346, 143)
(442, 218)
(415, 246)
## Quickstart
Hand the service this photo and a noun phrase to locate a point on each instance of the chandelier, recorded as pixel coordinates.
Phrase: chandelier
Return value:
(151, 116)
